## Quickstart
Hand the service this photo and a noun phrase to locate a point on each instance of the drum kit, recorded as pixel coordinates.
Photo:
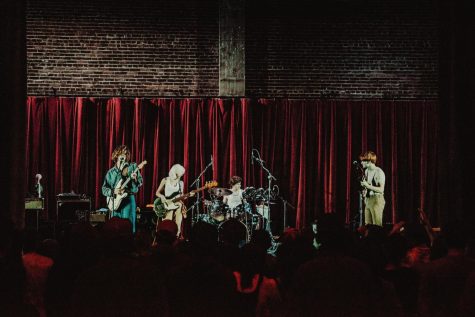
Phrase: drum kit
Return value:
(250, 213)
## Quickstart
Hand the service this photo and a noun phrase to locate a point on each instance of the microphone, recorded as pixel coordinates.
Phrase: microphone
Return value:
(38, 186)
(355, 162)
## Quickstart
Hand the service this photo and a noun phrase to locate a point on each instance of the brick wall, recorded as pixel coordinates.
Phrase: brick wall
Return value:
(336, 49)
(343, 49)
(133, 48)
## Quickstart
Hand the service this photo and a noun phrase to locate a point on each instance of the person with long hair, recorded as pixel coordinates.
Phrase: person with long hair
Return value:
(122, 170)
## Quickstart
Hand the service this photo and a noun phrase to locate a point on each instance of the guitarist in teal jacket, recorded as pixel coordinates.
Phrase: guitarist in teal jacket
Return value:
(123, 172)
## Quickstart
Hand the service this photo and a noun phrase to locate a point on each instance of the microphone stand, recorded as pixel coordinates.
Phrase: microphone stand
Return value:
(270, 177)
(360, 194)
(286, 203)
(197, 181)
(39, 190)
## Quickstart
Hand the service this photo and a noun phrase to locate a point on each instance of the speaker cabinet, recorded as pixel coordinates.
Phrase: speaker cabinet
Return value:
(68, 210)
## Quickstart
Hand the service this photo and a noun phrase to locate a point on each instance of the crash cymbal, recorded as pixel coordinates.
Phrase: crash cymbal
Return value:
(219, 192)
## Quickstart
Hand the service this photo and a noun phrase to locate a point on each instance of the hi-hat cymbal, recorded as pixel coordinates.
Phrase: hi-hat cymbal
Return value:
(219, 192)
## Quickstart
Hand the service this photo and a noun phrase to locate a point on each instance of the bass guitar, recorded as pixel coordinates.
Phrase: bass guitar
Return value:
(114, 202)
(161, 207)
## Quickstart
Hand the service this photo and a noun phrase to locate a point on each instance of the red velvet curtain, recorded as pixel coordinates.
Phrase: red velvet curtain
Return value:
(308, 145)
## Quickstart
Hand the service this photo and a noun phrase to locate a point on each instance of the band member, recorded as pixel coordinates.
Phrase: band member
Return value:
(235, 199)
(172, 186)
(373, 184)
(123, 169)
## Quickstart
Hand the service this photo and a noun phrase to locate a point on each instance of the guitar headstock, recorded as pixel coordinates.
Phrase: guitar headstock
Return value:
(142, 164)
(211, 184)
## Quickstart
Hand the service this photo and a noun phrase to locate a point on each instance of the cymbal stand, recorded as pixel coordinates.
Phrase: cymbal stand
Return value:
(194, 218)
(246, 220)
(360, 216)
(197, 181)
(286, 203)
(257, 157)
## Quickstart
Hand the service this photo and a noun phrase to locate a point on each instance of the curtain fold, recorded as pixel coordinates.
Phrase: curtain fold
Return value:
(308, 145)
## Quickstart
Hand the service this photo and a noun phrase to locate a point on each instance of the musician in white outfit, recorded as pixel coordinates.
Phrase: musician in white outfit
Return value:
(238, 206)
(235, 198)
(170, 187)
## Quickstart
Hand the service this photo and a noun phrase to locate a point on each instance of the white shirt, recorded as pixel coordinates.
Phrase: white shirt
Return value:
(235, 199)
(375, 177)
(170, 189)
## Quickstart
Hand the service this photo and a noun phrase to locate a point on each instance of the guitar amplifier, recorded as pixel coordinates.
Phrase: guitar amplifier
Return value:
(96, 218)
(68, 209)
(34, 203)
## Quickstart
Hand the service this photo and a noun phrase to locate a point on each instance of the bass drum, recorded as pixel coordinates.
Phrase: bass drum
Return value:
(233, 232)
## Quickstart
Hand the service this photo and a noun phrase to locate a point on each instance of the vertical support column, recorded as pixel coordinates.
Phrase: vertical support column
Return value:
(13, 110)
(232, 48)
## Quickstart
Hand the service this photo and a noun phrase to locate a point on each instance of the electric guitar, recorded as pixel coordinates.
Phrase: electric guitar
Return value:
(113, 203)
(171, 203)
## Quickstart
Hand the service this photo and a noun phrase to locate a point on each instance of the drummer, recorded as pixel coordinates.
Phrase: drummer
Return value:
(235, 198)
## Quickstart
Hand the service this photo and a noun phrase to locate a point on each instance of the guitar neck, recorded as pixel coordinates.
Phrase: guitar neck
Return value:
(128, 179)
(185, 196)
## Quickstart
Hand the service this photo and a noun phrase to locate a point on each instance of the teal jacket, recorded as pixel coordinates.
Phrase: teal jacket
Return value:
(114, 175)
